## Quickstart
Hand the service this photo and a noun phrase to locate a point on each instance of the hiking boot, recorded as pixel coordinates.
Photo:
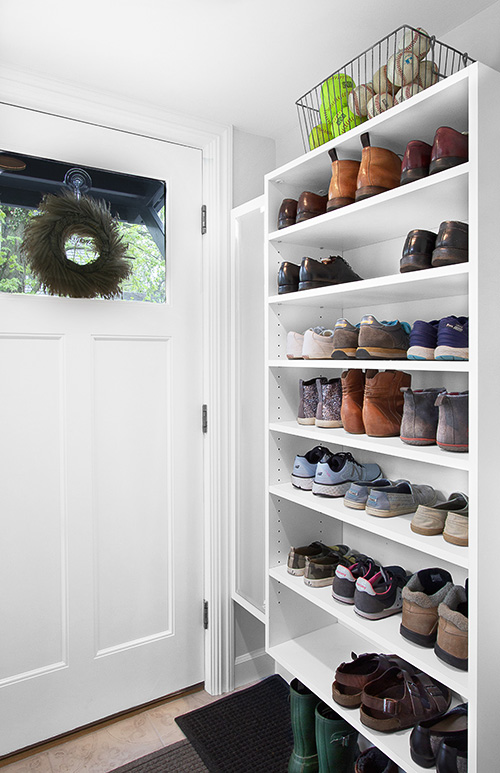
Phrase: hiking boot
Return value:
(427, 737)
(319, 572)
(288, 278)
(344, 581)
(287, 214)
(416, 161)
(329, 401)
(452, 339)
(379, 171)
(450, 148)
(304, 467)
(304, 757)
(452, 244)
(453, 424)
(310, 205)
(423, 340)
(456, 528)
(353, 390)
(317, 346)
(417, 251)
(453, 628)
(382, 340)
(372, 760)
(336, 741)
(422, 594)
(309, 399)
(336, 472)
(333, 270)
(383, 403)
(345, 340)
(431, 520)
(420, 416)
(342, 188)
(358, 492)
(398, 500)
(295, 343)
(297, 557)
(381, 595)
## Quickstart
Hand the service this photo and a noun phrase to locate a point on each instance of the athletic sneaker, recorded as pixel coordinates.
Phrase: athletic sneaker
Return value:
(382, 340)
(319, 572)
(423, 340)
(452, 339)
(396, 500)
(345, 578)
(358, 492)
(381, 595)
(297, 557)
(336, 472)
(317, 346)
(345, 340)
(304, 467)
(295, 343)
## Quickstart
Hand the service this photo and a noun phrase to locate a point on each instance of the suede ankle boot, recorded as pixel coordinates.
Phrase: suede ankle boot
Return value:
(383, 403)
(336, 741)
(452, 432)
(343, 183)
(304, 757)
(379, 171)
(351, 410)
(420, 416)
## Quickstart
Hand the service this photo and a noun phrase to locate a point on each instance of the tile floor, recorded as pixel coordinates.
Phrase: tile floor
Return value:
(115, 744)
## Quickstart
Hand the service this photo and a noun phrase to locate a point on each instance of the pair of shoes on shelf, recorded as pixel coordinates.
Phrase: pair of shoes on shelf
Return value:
(435, 614)
(449, 149)
(386, 498)
(425, 249)
(312, 274)
(373, 590)
(316, 343)
(450, 518)
(434, 416)
(307, 206)
(316, 563)
(330, 475)
(392, 694)
(372, 402)
(443, 339)
(370, 339)
(320, 400)
(442, 742)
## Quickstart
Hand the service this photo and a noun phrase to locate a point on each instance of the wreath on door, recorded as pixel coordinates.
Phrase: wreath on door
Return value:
(44, 246)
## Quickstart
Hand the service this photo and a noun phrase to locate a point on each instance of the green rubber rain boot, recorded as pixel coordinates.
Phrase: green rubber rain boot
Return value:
(304, 758)
(336, 741)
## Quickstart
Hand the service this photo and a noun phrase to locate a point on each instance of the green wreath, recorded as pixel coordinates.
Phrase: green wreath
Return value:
(44, 242)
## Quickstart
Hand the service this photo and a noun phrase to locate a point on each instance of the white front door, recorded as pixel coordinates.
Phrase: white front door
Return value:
(101, 460)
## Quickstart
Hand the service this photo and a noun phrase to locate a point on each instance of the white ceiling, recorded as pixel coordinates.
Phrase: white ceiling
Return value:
(241, 62)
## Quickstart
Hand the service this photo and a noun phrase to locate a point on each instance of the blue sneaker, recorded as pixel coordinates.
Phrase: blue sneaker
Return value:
(423, 340)
(304, 467)
(452, 339)
(336, 472)
(359, 491)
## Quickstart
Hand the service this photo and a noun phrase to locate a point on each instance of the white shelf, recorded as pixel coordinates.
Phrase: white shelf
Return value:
(446, 281)
(439, 366)
(314, 659)
(391, 446)
(384, 216)
(380, 633)
(396, 529)
(248, 606)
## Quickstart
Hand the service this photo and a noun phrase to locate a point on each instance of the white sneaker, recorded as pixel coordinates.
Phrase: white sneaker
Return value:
(317, 346)
(295, 342)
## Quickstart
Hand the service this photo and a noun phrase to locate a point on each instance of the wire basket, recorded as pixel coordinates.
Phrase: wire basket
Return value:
(400, 65)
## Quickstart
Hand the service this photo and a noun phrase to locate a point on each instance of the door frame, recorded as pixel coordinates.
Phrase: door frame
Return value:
(32, 92)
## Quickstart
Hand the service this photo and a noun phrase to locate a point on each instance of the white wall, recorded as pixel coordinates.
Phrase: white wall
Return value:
(253, 157)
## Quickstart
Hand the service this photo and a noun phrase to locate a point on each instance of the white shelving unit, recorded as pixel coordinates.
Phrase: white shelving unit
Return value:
(308, 633)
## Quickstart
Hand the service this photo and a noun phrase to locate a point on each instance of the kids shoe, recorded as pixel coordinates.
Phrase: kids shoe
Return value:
(382, 340)
(336, 472)
(422, 594)
(297, 557)
(381, 595)
(423, 340)
(304, 467)
(452, 339)
(309, 398)
(344, 582)
(329, 402)
(345, 340)
(400, 499)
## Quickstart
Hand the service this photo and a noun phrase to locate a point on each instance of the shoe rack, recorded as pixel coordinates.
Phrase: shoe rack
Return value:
(307, 633)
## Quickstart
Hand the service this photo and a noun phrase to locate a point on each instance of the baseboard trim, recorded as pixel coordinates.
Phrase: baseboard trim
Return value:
(252, 666)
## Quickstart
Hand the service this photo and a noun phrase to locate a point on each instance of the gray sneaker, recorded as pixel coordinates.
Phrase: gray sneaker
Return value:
(400, 499)
(382, 340)
(358, 493)
(345, 340)
(336, 472)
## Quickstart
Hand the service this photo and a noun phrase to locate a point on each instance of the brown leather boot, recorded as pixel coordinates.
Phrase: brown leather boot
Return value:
(383, 403)
(343, 183)
(379, 171)
(351, 409)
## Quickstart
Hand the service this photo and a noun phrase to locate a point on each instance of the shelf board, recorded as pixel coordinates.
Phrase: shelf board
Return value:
(392, 446)
(248, 606)
(396, 529)
(440, 366)
(429, 283)
(314, 659)
(385, 216)
(380, 633)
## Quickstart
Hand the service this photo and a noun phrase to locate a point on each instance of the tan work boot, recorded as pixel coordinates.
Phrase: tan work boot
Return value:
(379, 171)
(343, 183)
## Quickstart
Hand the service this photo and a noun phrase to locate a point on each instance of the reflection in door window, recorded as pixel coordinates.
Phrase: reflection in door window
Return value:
(138, 203)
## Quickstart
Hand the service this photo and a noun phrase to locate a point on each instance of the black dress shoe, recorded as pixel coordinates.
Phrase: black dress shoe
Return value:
(330, 271)
(452, 244)
(417, 251)
(427, 737)
(288, 278)
(287, 214)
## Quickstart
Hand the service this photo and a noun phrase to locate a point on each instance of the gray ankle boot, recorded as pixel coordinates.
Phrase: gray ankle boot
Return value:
(453, 425)
(304, 757)
(420, 416)
(336, 740)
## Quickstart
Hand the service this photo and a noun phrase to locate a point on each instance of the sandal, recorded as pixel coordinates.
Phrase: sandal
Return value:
(351, 678)
(399, 699)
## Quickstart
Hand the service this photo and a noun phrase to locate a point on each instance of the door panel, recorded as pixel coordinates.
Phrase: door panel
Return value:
(101, 453)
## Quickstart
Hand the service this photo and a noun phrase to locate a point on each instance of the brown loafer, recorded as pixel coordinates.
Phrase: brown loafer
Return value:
(450, 148)
(287, 214)
(310, 205)
(352, 677)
